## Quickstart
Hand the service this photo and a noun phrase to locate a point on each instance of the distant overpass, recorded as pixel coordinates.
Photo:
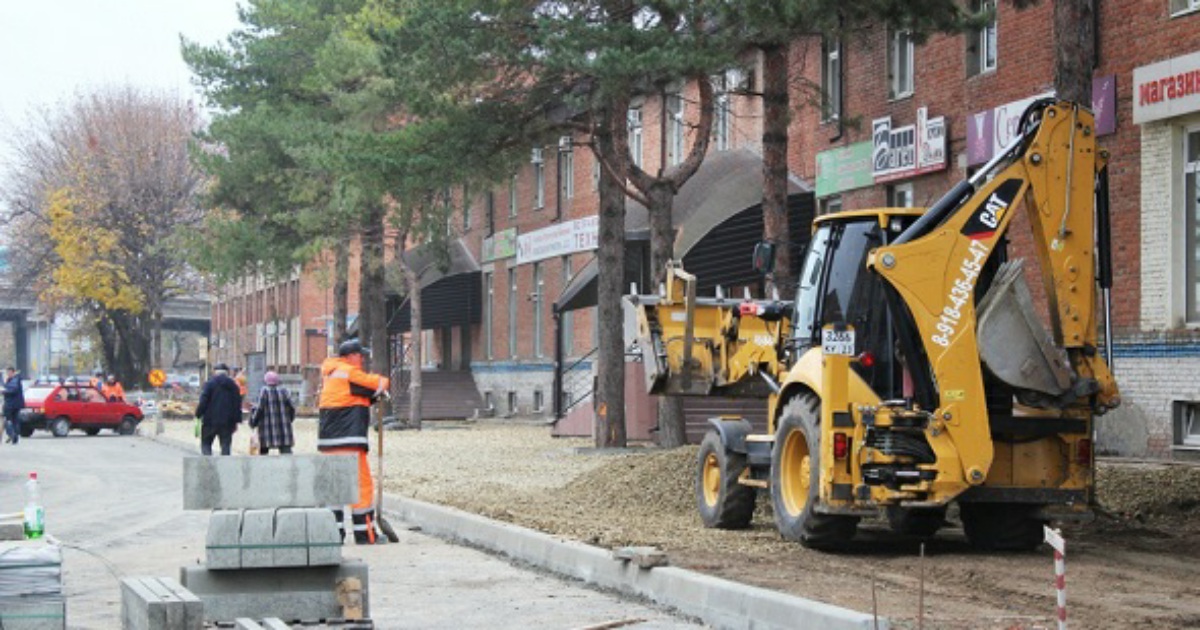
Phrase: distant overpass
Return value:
(18, 306)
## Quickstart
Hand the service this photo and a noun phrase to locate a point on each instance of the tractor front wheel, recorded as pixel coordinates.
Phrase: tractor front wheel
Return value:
(723, 502)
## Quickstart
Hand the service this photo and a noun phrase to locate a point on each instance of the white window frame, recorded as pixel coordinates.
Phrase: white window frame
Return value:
(566, 152)
(539, 288)
(567, 319)
(539, 179)
(721, 116)
(901, 195)
(512, 313)
(1189, 238)
(901, 51)
(635, 135)
(828, 205)
(676, 110)
(1183, 7)
(512, 196)
(831, 79)
(984, 41)
(1185, 420)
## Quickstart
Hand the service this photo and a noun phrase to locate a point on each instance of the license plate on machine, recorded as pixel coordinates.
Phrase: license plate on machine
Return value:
(839, 342)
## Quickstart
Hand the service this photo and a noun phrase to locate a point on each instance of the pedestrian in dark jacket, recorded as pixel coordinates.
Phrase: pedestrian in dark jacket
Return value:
(273, 416)
(14, 401)
(220, 411)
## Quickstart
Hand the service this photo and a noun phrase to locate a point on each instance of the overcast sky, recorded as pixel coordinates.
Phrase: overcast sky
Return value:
(51, 49)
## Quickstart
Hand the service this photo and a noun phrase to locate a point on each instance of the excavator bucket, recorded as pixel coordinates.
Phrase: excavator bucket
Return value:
(1013, 343)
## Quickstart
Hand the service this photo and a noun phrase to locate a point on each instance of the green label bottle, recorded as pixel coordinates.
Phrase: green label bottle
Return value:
(35, 517)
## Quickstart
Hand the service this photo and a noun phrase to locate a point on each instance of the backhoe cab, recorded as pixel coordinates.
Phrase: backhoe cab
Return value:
(912, 369)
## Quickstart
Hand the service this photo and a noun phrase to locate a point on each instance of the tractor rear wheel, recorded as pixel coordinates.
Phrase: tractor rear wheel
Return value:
(796, 480)
(1001, 526)
(722, 501)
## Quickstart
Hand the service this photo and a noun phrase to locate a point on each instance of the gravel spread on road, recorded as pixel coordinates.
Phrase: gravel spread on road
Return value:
(1133, 567)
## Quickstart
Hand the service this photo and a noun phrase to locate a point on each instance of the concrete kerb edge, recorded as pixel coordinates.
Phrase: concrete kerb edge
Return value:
(719, 602)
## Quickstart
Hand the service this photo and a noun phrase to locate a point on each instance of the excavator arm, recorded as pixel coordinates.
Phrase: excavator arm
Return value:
(934, 267)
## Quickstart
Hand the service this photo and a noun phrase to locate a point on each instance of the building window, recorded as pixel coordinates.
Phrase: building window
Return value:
(489, 402)
(488, 304)
(900, 196)
(674, 129)
(828, 205)
(512, 403)
(539, 179)
(567, 319)
(489, 208)
(720, 136)
(900, 64)
(831, 78)
(536, 297)
(1185, 416)
(1191, 228)
(981, 43)
(566, 168)
(512, 196)
(512, 313)
(537, 401)
(1184, 6)
(635, 136)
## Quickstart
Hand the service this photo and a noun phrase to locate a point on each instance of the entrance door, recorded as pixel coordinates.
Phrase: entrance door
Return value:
(465, 357)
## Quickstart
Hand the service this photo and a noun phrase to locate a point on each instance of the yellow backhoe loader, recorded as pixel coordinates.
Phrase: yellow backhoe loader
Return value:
(913, 370)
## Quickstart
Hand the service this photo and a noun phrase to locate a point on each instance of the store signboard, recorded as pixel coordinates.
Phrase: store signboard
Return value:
(902, 152)
(844, 168)
(1166, 89)
(561, 239)
(993, 129)
(502, 244)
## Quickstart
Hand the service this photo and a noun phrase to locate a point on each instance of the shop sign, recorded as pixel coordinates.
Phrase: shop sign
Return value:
(990, 130)
(1166, 89)
(900, 152)
(844, 168)
(564, 238)
(502, 244)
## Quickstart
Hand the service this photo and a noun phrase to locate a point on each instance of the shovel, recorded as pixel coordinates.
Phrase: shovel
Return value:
(382, 524)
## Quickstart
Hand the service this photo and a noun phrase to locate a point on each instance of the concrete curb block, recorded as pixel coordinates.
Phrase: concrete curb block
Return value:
(718, 602)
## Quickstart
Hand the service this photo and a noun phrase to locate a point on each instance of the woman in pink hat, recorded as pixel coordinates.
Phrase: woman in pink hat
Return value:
(272, 417)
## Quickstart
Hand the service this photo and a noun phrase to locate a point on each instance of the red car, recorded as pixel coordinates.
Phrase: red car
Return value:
(60, 408)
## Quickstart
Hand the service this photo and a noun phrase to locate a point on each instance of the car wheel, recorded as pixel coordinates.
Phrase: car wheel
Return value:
(92, 431)
(128, 426)
(26, 431)
(60, 426)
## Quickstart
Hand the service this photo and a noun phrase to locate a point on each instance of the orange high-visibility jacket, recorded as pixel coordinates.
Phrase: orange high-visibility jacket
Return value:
(345, 406)
(111, 392)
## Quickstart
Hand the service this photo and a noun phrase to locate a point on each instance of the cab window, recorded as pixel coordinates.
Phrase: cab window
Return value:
(92, 395)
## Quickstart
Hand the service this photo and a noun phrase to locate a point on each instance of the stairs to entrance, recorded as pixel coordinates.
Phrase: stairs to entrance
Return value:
(446, 395)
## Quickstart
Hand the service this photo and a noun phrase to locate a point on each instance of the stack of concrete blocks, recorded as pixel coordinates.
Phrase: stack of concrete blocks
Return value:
(273, 547)
(150, 603)
(30, 582)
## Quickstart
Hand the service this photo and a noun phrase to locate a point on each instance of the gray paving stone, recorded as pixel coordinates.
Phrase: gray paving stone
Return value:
(291, 528)
(258, 536)
(325, 544)
(149, 603)
(222, 547)
(253, 482)
(292, 593)
(46, 613)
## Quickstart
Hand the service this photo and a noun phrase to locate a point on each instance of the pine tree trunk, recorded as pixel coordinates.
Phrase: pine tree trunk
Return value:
(775, 169)
(610, 390)
(415, 397)
(672, 429)
(1075, 49)
(341, 291)
(372, 309)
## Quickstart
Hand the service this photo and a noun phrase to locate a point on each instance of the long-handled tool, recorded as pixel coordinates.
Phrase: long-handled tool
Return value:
(385, 528)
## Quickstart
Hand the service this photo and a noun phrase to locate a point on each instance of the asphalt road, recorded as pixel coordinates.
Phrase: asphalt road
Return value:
(115, 504)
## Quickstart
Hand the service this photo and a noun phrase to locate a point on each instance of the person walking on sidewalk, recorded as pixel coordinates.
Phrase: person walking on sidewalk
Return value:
(273, 416)
(219, 410)
(347, 392)
(14, 401)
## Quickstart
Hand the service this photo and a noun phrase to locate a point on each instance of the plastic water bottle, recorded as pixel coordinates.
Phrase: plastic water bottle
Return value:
(35, 516)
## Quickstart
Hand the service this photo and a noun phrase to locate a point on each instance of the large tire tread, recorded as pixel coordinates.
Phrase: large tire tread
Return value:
(734, 505)
(1001, 526)
(810, 528)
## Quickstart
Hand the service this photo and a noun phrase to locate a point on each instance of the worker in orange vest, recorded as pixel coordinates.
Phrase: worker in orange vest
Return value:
(112, 390)
(347, 392)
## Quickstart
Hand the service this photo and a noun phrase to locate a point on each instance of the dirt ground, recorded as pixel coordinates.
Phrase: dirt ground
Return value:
(1136, 566)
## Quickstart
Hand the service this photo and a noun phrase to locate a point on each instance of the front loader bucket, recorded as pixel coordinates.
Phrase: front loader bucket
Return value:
(1013, 343)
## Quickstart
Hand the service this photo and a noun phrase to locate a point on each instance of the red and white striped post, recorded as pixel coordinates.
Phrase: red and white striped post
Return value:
(1054, 539)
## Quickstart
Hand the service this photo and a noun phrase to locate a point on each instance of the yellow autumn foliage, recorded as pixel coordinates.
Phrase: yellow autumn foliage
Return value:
(85, 271)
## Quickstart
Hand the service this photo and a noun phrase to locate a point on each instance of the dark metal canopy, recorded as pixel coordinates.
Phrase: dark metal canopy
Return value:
(451, 287)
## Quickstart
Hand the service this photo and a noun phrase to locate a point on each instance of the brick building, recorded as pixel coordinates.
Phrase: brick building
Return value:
(955, 97)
